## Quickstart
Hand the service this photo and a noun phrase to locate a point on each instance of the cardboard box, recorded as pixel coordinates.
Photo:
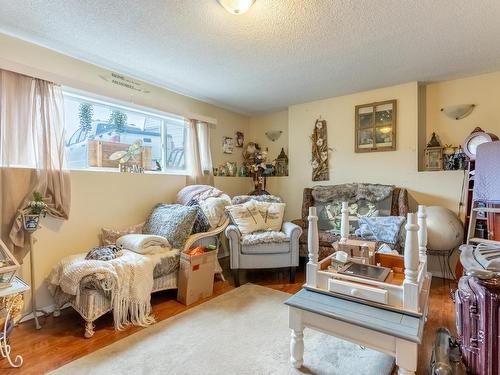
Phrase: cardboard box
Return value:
(196, 277)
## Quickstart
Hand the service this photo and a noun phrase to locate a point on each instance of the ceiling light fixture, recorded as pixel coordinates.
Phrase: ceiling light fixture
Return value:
(236, 6)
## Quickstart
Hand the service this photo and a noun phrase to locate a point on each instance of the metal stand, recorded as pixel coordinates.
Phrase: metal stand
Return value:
(4, 342)
(444, 257)
(34, 309)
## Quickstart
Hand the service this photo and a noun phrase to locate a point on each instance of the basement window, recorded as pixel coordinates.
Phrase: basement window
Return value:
(95, 129)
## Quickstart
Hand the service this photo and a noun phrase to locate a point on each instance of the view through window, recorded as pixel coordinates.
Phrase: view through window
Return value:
(96, 129)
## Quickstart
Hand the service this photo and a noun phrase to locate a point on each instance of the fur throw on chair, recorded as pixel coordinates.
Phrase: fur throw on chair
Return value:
(239, 199)
(352, 192)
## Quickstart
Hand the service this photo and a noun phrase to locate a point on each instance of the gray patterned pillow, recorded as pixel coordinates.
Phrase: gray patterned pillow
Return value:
(201, 224)
(384, 228)
(172, 221)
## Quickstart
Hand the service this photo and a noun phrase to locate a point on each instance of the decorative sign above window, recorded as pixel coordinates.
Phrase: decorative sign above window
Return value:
(376, 127)
(125, 82)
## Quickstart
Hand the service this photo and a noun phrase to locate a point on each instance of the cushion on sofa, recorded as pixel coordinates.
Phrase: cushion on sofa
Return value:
(246, 217)
(172, 221)
(384, 228)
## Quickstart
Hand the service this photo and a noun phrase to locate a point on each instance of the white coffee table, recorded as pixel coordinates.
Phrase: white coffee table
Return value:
(386, 331)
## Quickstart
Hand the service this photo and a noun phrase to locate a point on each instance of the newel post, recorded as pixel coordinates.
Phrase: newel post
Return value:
(344, 222)
(422, 233)
(313, 247)
(411, 255)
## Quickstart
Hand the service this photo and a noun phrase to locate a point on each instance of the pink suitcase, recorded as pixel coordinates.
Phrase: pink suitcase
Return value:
(478, 309)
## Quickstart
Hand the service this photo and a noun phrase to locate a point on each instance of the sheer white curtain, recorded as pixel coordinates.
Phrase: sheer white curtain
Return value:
(199, 157)
(31, 152)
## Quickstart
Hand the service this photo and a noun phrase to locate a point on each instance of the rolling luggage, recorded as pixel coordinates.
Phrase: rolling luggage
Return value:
(477, 303)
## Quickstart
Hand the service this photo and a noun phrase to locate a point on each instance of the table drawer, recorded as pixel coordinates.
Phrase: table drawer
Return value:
(358, 291)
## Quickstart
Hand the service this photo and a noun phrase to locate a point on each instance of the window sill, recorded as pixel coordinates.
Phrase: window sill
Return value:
(115, 170)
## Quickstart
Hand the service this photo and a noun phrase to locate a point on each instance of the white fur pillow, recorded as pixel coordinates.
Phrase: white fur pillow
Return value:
(272, 213)
(247, 217)
(213, 208)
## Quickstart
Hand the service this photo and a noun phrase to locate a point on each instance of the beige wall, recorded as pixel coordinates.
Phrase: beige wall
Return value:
(106, 198)
(481, 90)
(397, 167)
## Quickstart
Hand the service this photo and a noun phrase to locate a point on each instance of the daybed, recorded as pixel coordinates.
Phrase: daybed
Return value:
(96, 287)
(95, 298)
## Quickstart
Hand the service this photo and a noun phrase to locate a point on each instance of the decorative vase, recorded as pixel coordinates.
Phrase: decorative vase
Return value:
(30, 222)
(259, 184)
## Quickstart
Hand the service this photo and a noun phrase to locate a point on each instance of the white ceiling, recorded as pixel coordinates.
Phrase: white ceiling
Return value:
(281, 52)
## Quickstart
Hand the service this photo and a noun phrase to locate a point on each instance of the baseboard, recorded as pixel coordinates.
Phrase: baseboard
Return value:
(47, 310)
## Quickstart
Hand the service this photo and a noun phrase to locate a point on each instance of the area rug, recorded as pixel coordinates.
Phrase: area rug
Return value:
(244, 332)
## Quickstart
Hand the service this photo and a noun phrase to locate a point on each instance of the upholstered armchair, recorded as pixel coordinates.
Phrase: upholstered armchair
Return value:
(263, 249)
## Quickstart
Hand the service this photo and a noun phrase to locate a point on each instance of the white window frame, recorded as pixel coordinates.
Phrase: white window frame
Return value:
(128, 106)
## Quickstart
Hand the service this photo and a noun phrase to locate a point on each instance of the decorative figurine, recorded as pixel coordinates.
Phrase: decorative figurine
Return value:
(281, 167)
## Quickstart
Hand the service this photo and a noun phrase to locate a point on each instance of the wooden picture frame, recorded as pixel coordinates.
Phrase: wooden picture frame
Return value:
(375, 126)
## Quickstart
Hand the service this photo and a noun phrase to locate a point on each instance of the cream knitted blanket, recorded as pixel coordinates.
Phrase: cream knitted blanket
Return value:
(129, 278)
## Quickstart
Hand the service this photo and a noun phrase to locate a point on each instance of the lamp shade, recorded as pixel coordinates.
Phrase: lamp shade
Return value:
(458, 112)
(236, 6)
(273, 135)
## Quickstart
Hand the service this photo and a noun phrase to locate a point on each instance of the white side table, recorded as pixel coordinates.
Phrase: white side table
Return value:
(18, 286)
(389, 332)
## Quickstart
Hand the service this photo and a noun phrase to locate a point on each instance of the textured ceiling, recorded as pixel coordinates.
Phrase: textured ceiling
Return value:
(281, 52)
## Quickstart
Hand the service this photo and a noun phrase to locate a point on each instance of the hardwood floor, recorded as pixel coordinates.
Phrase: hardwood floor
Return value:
(61, 339)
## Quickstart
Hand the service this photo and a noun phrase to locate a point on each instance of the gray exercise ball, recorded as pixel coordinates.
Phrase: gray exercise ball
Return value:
(445, 231)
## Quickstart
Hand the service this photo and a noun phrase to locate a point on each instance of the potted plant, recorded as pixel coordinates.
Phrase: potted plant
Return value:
(31, 215)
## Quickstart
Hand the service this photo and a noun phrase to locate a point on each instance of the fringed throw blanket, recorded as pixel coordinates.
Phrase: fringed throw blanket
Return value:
(129, 278)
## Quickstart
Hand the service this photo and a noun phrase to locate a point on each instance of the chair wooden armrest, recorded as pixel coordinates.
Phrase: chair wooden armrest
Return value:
(198, 236)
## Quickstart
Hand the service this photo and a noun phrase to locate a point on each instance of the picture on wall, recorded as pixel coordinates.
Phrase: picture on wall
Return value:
(320, 152)
(375, 128)
(240, 139)
(227, 145)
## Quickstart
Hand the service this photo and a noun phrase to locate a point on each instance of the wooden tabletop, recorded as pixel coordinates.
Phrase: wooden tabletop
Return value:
(393, 323)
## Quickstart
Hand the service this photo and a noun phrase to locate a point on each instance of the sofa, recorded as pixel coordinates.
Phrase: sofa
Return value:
(396, 205)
